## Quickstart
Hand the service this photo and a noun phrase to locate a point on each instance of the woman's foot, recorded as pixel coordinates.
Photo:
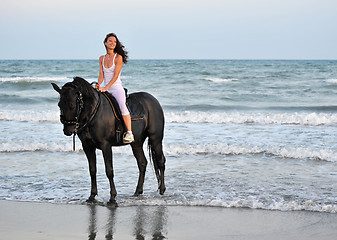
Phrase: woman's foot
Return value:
(128, 137)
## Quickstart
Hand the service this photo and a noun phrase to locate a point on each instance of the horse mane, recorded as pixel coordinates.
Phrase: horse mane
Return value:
(85, 87)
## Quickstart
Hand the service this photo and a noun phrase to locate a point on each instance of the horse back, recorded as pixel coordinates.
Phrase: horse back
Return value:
(147, 104)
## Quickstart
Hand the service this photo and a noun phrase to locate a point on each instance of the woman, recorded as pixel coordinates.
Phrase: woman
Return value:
(109, 78)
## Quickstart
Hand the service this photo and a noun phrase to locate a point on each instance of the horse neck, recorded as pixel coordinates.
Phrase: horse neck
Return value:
(90, 101)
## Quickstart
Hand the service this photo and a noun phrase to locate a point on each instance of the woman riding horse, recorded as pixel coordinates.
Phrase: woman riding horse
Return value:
(87, 113)
(110, 67)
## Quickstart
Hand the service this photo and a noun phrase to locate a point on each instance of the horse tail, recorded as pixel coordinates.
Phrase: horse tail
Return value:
(153, 159)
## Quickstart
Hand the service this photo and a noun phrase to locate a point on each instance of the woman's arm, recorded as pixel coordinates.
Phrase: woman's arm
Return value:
(118, 68)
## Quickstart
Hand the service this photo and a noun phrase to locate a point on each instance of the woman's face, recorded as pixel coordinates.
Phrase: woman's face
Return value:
(111, 43)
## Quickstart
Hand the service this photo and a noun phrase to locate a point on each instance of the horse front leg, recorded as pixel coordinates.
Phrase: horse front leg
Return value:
(90, 152)
(107, 155)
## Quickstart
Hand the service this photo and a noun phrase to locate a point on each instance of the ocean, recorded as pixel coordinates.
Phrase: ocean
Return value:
(258, 134)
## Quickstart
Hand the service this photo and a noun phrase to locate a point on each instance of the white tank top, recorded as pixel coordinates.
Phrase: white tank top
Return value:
(109, 73)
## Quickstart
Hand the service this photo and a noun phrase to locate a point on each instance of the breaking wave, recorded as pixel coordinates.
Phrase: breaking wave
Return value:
(257, 118)
(313, 119)
(34, 79)
(221, 80)
(185, 149)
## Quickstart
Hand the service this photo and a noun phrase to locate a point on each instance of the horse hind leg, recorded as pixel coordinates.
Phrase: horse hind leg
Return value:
(158, 163)
(142, 163)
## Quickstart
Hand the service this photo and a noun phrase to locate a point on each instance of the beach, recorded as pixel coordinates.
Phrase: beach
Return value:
(29, 220)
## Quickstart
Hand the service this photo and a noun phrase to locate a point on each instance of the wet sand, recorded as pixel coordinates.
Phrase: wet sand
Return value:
(28, 220)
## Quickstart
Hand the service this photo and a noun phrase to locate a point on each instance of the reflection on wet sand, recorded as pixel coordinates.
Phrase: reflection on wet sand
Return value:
(92, 222)
(156, 221)
(145, 223)
(110, 225)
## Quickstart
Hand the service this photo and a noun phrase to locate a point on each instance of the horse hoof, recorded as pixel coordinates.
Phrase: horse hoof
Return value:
(91, 200)
(137, 193)
(112, 204)
(162, 190)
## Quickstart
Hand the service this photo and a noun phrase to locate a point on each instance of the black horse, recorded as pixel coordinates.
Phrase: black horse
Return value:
(88, 113)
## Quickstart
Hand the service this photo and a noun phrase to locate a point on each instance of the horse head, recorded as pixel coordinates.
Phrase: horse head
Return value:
(71, 105)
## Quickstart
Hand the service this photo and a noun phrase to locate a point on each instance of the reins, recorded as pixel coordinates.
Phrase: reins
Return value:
(80, 129)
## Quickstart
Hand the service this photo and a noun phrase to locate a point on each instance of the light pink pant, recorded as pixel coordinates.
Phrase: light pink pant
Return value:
(118, 92)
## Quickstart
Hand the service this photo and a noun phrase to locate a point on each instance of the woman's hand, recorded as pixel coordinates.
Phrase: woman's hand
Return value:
(97, 86)
(102, 89)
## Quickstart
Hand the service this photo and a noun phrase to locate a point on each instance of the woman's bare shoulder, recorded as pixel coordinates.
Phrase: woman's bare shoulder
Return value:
(119, 58)
(100, 59)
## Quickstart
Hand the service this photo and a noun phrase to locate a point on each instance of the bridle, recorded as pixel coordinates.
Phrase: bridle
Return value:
(80, 107)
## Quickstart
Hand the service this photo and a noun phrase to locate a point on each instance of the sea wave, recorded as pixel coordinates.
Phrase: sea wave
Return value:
(220, 80)
(35, 146)
(256, 118)
(65, 145)
(34, 79)
(331, 80)
(225, 149)
(253, 202)
(29, 116)
(249, 202)
(313, 119)
(185, 149)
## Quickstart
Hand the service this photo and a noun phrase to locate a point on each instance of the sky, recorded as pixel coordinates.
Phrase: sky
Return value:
(170, 29)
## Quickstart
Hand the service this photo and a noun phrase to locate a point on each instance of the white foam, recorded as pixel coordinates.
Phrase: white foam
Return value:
(258, 118)
(59, 196)
(34, 79)
(225, 149)
(249, 202)
(37, 146)
(222, 149)
(29, 116)
(304, 153)
(281, 206)
(332, 80)
(66, 145)
(221, 80)
(184, 149)
(314, 119)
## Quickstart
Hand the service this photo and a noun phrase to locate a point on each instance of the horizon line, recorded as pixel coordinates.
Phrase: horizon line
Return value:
(176, 59)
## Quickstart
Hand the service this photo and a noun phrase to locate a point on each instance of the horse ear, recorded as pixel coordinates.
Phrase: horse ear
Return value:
(57, 89)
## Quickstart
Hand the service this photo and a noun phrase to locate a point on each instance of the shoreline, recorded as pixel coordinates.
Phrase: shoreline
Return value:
(32, 220)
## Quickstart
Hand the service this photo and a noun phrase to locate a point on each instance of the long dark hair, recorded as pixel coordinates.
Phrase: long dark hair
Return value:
(120, 49)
